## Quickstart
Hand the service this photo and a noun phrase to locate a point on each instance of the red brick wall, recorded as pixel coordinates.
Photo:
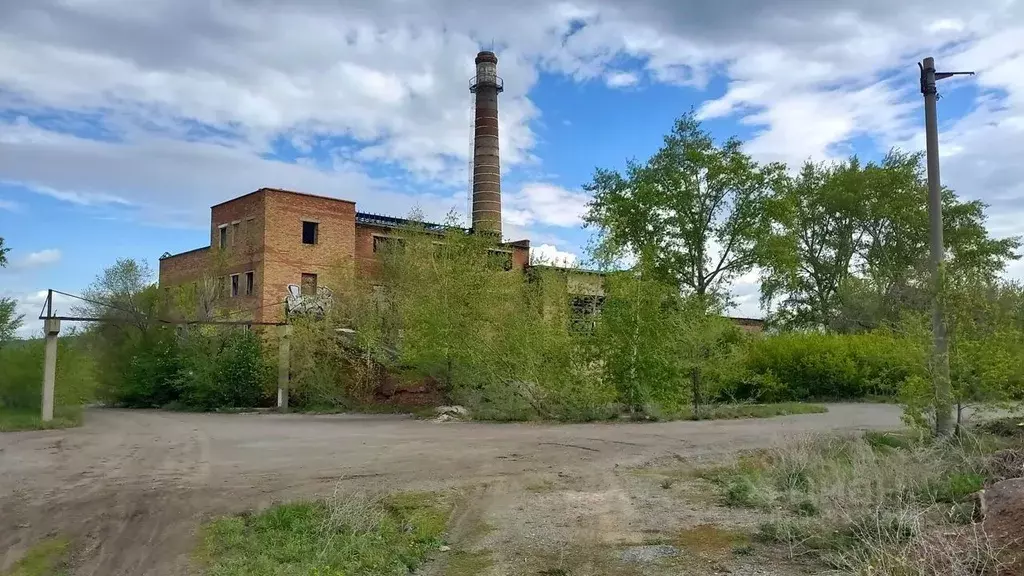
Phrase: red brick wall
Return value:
(520, 257)
(243, 253)
(366, 260)
(184, 267)
(287, 258)
(268, 242)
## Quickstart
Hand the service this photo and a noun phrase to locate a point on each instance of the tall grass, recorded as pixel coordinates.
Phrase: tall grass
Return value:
(882, 504)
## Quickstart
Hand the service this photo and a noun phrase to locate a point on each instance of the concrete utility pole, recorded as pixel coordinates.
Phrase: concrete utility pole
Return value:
(940, 356)
(51, 327)
(284, 355)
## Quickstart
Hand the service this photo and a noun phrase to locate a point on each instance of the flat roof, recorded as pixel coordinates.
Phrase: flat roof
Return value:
(166, 255)
(282, 191)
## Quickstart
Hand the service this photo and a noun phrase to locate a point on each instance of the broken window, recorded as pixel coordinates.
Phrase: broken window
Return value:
(308, 285)
(236, 228)
(382, 243)
(234, 285)
(585, 308)
(223, 243)
(250, 281)
(501, 258)
(310, 232)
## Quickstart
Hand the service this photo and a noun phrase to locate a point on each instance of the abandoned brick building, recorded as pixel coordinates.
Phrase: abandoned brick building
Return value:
(267, 240)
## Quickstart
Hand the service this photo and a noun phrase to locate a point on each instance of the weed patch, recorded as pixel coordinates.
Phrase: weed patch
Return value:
(48, 558)
(350, 533)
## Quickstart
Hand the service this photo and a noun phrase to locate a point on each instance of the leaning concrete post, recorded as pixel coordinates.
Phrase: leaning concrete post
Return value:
(283, 359)
(51, 326)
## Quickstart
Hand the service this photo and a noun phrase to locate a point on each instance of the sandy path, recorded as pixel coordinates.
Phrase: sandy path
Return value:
(131, 486)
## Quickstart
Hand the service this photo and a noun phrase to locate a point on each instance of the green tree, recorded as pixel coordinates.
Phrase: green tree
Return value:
(858, 245)
(986, 347)
(823, 227)
(636, 341)
(709, 348)
(706, 210)
(122, 292)
(10, 320)
(137, 356)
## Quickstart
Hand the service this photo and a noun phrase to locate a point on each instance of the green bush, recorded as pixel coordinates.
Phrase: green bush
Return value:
(221, 369)
(197, 368)
(809, 365)
(21, 379)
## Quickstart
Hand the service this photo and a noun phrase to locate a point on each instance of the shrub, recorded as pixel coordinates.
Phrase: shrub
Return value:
(322, 375)
(221, 369)
(137, 367)
(807, 365)
(21, 379)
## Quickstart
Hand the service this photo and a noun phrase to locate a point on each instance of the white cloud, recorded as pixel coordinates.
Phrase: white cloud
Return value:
(173, 183)
(551, 255)
(40, 258)
(542, 203)
(617, 79)
(9, 205)
(188, 97)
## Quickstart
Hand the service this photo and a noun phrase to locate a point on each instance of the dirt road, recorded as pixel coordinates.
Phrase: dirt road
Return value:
(130, 487)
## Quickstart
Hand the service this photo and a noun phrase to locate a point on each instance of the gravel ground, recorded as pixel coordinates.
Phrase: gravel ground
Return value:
(131, 487)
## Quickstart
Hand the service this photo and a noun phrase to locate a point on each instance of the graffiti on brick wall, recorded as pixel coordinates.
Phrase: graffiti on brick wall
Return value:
(316, 305)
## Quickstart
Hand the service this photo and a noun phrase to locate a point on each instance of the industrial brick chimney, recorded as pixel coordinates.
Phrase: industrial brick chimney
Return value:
(486, 164)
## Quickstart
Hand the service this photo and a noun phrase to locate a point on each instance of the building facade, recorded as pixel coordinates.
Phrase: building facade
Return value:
(271, 243)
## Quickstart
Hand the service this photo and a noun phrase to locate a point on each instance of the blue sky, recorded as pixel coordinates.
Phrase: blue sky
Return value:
(122, 122)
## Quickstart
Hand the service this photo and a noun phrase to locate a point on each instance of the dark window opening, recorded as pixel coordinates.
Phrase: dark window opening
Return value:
(236, 233)
(585, 308)
(382, 243)
(501, 258)
(308, 285)
(250, 281)
(234, 285)
(310, 232)
(223, 237)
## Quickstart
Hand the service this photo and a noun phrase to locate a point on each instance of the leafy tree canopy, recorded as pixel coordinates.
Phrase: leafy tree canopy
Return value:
(703, 210)
(857, 244)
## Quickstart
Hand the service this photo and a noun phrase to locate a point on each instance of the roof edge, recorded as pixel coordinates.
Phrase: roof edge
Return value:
(282, 191)
(200, 249)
